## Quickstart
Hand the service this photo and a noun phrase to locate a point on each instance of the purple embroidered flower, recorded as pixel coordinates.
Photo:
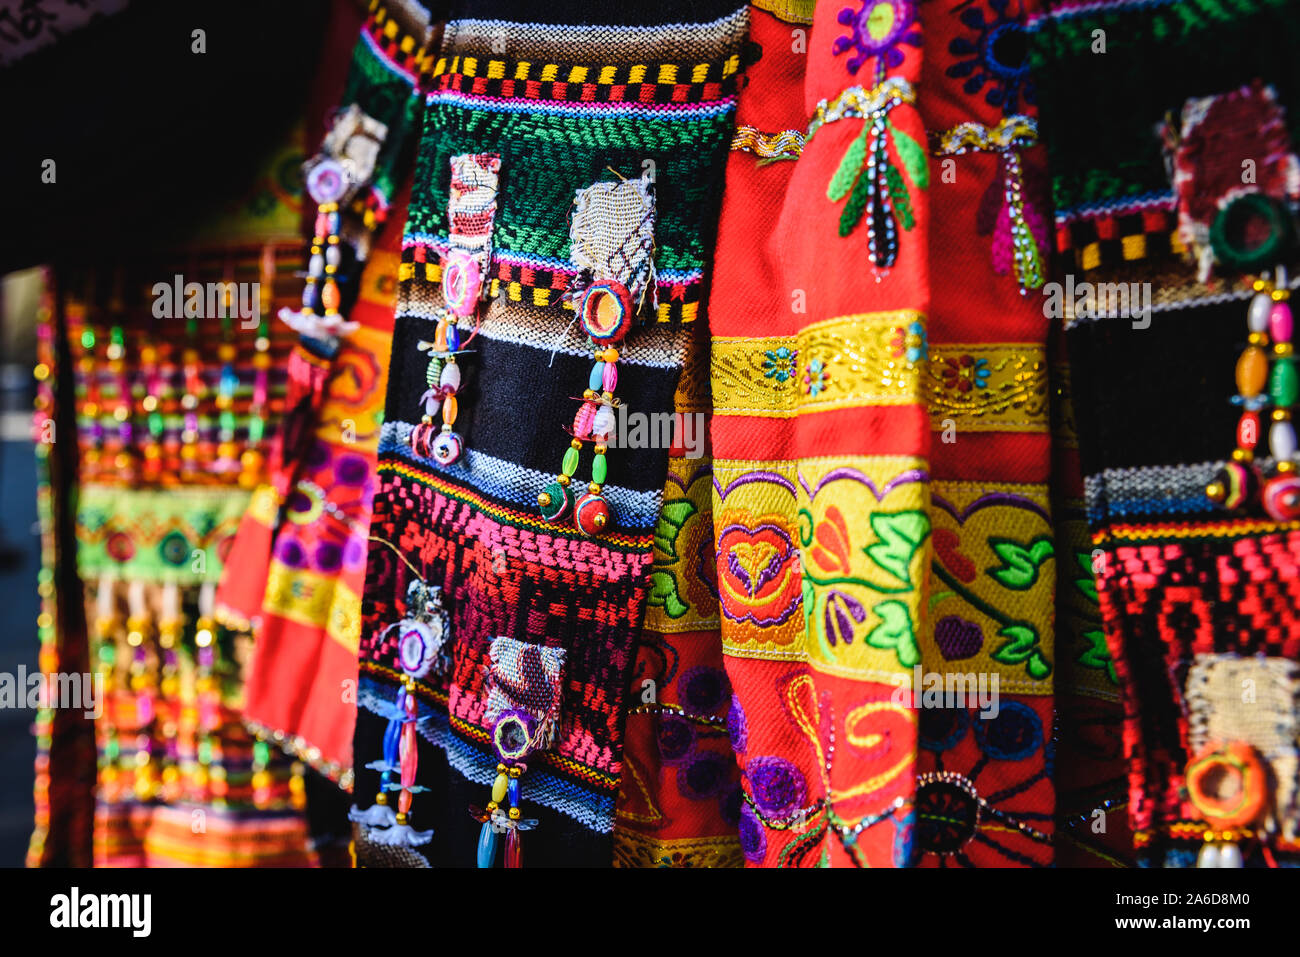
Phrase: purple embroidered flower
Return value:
(957, 638)
(298, 501)
(328, 556)
(676, 737)
(737, 726)
(877, 30)
(351, 470)
(291, 553)
(703, 690)
(753, 838)
(702, 776)
(994, 56)
(842, 611)
(778, 787)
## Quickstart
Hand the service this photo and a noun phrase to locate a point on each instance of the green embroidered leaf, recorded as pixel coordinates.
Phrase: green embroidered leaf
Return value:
(1022, 646)
(902, 200)
(913, 158)
(900, 534)
(895, 631)
(663, 594)
(809, 599)
(1087, 584)
(1020, 564)
(856, 205)
(1097, 655)
(671, 519)
(1038, 666)
(847, 173)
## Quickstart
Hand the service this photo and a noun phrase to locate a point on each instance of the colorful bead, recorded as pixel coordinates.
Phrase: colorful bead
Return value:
(609, 380)
(446, 448)
(1283, 382)
(499, 787)
(1282, 498)
(487, 845)
(450, 377)
(1228, 784)
(1280, 323)
(1252, 372)
(1233, 486)
(555, 501)
(583, 420)
(1248, 430)
(597, 378)
(570, 463)
(599, 469)
(461, 282)
(1282, 440)
(606, 311)
(1261, 308)
(514, 855)
(591, 514)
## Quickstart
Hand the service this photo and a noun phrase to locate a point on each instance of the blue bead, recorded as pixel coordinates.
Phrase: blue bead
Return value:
(512, 792)
(392, 740)
(453, 338)
(596, 380)
(487, 846)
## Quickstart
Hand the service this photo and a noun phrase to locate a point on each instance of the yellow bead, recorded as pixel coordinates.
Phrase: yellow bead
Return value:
(1252, 372)
(499, 788)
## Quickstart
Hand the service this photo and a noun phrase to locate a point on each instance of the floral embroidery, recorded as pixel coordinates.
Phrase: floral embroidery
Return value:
(877, 30)
(994, 58)
(965, 372)
(910, 343)
(816, 378)
(779, 363)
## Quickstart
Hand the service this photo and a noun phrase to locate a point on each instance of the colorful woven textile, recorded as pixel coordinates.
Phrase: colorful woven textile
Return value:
(562, 105)
(1193, 599)
(300, 554)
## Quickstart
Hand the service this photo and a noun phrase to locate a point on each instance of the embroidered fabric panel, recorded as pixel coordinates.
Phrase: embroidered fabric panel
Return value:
(820, 437)
(472, 527)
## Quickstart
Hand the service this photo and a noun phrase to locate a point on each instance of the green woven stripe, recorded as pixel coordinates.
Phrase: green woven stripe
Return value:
(389, 98)
(1098, 110)
(544, 160)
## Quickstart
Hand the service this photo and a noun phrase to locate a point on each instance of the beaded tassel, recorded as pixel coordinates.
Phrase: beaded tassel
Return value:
(422, 635)
(594, 423)
(471, 211)
(442, 376)
(502, 815)
(1269, 320)
(612, 235)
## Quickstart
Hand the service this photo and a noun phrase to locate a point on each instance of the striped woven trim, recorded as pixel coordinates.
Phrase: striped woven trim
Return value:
(654, 345)
(591, 93)
(1183, 531)
(671, 109)
(402, 55)
(397, 459)
(672, 43)
(513, 483)
(1155, 490)
(540, 281)
(787, 144)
